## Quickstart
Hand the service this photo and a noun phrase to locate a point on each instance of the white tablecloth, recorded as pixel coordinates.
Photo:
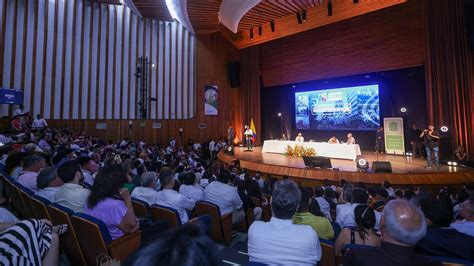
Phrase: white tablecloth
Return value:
(336, 151)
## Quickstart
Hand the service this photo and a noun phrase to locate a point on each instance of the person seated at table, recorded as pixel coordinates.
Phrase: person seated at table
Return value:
(283, 137)
(350, 139)
(299, 138)
(333, 140)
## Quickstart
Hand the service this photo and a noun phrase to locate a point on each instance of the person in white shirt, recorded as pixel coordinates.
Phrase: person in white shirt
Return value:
(280, 242)
(32, 164)
(19, 111)
(299, 138)
(350, 139)
(89, 168)
(226, 197)
(467, 212)
(345, 216)
(322, 202)
(39, 123)
(44, 145)
(147, 192)
(48, 183)
(197, 146)
(212, 149)
(190, 189)
(171, 198)
(72, 195)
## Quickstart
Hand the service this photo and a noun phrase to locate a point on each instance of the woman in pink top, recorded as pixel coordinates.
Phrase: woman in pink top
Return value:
(118, 215)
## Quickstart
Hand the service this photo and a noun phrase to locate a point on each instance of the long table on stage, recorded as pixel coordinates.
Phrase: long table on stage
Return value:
(336, 151)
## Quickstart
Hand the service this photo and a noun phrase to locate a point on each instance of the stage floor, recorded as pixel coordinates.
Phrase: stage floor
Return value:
(404, 171)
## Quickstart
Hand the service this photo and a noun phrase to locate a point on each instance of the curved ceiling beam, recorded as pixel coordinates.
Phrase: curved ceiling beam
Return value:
(232, 11)
(179, 11)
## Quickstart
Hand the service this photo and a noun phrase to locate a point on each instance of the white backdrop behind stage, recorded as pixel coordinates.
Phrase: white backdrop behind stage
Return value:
(336, 151)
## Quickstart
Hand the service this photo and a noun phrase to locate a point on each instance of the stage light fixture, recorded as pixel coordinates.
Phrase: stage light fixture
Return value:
(409, 154)
(455, 163)
(272, 25)
(279, 114)
(260, 30)
(329, 8)
(251, 33)
(298, 17)
(450, 163)
(294, 86)
(444, 129)
(362, 165)
(303, 15)
(403, 110)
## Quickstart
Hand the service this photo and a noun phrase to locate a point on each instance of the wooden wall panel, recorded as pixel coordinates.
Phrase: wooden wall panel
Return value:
(75, 59)
(387, 39)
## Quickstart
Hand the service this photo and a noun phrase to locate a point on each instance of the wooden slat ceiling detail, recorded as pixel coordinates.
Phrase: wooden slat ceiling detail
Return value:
(204, 15)
(110, 2)
(317, 16)
(153, 9)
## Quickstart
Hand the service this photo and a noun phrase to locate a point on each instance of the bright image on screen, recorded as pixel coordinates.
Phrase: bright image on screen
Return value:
(351, 108)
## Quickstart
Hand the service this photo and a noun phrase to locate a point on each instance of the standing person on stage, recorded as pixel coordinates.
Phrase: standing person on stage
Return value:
(283, 137)
(350, 139)
(415, 140)
(333, 140)
(431, 138)
(230, 136)
(248, 137)
(299, 138)
(380, 141)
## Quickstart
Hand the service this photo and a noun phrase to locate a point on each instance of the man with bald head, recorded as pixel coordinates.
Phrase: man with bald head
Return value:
(402, 226)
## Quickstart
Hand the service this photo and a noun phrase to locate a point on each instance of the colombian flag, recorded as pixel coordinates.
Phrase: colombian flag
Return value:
(254, 132)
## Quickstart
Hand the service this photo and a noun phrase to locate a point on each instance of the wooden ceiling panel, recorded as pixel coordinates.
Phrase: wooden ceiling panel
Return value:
(153, 9)
(204, 15)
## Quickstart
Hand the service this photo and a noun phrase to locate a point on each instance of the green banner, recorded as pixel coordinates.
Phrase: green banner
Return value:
(394, 140)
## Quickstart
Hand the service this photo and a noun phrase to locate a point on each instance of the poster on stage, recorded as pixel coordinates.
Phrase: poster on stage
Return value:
(393, 131)
(211, 97)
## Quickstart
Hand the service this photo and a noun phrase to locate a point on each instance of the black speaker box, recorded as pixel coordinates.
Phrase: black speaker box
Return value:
(381, 167)
(234, 74)
(317, 161)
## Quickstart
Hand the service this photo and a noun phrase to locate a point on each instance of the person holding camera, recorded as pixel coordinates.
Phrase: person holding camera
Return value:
(431, 138)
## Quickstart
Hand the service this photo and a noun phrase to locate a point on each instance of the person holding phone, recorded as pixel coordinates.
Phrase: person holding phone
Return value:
(431, 137)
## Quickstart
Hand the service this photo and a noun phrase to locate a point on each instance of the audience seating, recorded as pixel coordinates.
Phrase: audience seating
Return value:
(40, 208)
(450, 261)
(140, 208)
(95, 239)
(328, 257)
(221, 226)
(167, 214)
(13, 194)
(25, 197)
(68, 241)
(266, 209)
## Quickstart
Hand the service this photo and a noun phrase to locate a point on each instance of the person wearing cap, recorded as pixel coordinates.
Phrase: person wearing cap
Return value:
(48, 183)
(32, 164)
(72, 195)
(89, 168)
(171, 198)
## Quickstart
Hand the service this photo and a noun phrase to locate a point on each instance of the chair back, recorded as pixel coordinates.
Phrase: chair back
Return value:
(256, 201)
(450, 261)
(14, 195)
(221, 226)
(167, 214)
(39, 206)
(67, 241)
(140, 208)
(25, 197)
(94, 236)
(328, 257)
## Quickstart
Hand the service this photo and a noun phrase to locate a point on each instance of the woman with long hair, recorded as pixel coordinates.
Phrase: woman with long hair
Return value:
(118, 215)
(364, 234)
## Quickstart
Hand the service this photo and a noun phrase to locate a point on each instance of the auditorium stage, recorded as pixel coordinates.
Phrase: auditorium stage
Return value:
(405, 171)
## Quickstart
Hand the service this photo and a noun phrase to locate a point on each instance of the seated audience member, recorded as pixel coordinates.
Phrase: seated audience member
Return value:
(63, 155)
(440, 240)
(253, 190)
(30, 242)
(171, 198)
(467, 212)
(280, 242)
(72, 195)
(190, 188)
(364, 234)
(48, 183)
(147, 192)
(185, 246)
(381, 196)
(118, 215)
(247, 202)
(32, 164)
(459, 153)
(320, 225)
(345, 212)
(89, 168)
(322, 202)
(389, 188)
(402, 226)
(226, 197)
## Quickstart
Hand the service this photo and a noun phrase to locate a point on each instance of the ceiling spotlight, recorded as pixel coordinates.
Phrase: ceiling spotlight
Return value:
(444, 129)
(298, 17)
(279, 114)
(260, 30)
(152, 64)
(272, 25)
(303, 15)
(329, 8)
(251, 33)
(403, 110)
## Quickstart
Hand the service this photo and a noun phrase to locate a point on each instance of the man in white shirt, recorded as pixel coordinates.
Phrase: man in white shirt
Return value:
(197, 146)
(72, 195)
(32, 164)
(89, 168)
(212, 149)
(467, 212)
(350, 139)
(48, 183)
(39, 123)
(226, 197)
(299, 138)
(171, 198)
(190, 189)
(345, 216)
(280, 242)
(147, 191)
(19, 111)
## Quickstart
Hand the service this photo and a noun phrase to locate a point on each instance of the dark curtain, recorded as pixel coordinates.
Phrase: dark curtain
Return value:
(449, 72)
